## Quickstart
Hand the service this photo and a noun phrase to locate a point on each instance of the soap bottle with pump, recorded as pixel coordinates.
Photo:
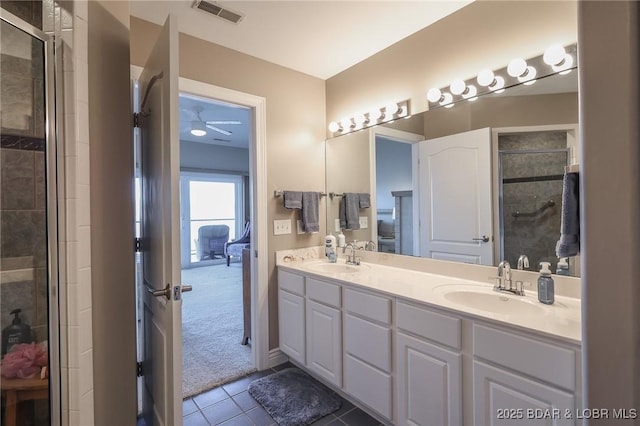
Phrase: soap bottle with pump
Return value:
(563, 266)
(341, 239)
(330, 248)
(546, 293)
(17, 332)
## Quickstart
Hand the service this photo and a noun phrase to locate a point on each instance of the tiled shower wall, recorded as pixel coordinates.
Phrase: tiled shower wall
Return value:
(23, 227)
(534, 235)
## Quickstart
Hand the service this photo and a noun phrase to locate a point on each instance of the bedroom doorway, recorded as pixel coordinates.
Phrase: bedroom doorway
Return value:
(215, 211)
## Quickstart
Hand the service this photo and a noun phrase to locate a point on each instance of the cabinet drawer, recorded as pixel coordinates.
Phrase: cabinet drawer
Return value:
(368, 341)
(293, 283)
(367, 305)
(538, 359)
(369, 385)
(323, 292)
(428, 324)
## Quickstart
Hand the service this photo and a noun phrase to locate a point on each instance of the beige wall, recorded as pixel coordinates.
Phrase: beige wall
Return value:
(485, 34)
(112, 256)
(609, 111)
(295, 104)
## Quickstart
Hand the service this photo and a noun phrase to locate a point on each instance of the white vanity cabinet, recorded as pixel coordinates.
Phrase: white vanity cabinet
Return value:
(324, 330)
(521, 379)
(368, 350)
(291, 315)
(428, 367)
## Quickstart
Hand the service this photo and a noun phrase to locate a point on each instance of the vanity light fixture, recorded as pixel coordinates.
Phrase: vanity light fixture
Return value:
(198, 128)
(387, 113)
(556, 60)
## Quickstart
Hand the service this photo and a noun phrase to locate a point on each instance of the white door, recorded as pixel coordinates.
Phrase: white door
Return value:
(160, 232)
(455, 198)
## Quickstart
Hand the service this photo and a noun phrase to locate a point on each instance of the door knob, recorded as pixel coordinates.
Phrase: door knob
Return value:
(484, 239)
(166, 292)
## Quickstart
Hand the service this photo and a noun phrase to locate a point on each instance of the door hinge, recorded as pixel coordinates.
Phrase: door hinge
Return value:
(138, 245)
(136, 119)
(139, 369)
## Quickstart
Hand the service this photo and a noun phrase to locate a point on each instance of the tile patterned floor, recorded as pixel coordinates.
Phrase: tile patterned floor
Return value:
(231, 405)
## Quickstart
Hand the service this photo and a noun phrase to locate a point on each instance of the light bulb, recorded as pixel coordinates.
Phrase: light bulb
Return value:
(528, 76)
(434, 95)
(470, 93)
(334, 127)
(486, 78)
(359, 119)
(498, 85)
(446, 100)
(346, 124)
(457, 87)
(391, 109)
(198, 128)
(375, 115)
(517, 67)
(554, 55)
(564, 65)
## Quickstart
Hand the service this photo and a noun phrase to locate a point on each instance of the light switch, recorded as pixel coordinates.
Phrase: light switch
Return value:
(364, 222)
(281, 226)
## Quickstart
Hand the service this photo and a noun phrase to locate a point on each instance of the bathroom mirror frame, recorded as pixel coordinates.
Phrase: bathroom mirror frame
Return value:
(55, 292)
(569, 126)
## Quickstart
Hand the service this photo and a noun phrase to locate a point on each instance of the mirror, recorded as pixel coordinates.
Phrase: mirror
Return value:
(530, 134)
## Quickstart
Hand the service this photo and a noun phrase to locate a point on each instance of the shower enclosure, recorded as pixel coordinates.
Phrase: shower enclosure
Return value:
(531, 168)
(29, 321)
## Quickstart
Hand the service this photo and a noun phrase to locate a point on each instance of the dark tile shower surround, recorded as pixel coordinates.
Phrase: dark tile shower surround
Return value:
(24, 143)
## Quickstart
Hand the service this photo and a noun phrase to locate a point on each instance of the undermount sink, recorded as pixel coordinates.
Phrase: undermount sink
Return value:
(334, 268)
(488, 300)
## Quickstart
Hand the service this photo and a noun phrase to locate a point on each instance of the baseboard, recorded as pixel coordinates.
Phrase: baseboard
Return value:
(277, 357)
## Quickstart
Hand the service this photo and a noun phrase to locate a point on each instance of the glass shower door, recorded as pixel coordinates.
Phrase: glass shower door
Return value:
(27, 217)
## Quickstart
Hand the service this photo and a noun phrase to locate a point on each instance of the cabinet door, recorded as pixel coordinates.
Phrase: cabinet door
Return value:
(324, 341)
(291, 325)
(503, 398)
(429, 383)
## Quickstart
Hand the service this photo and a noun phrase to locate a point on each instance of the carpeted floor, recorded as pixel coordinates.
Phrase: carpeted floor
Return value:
(212, 328)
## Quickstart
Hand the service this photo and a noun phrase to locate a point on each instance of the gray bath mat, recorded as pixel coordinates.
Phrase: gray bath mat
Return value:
(293, 398)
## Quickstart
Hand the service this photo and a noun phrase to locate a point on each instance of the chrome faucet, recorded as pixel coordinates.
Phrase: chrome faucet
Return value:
(523, 262)
(370, 246)
(353, 259)
(504, 280)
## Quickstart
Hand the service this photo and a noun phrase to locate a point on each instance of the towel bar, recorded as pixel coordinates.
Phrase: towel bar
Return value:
(277, 193)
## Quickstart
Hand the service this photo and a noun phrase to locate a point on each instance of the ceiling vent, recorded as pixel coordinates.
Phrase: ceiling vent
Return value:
(218, 11)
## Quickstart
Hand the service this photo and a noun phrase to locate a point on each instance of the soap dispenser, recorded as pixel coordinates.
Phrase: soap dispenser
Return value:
(341, 239)
(17, 332)
(563, 266)
(546, 293)
(330, 248)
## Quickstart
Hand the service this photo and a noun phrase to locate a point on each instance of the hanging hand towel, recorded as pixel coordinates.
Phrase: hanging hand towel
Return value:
(352, 210)
(342, 213)
(310, 211)
(569, 243)
(365, 200)
(292, 199)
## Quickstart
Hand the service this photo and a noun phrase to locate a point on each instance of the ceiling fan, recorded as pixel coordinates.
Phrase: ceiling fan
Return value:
(199, 127)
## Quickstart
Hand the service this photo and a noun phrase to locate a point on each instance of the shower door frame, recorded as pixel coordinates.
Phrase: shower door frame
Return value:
(52, 157)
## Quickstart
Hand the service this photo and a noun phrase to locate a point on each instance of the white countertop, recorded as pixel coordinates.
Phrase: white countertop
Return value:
(561, 320)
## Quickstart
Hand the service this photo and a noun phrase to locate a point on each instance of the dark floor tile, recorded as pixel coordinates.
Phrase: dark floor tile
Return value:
(245, 401)
(239, 385)
(241, 420)
(344, 409)
(188, 407)
(221, 411)
(195, 419)
(336, 422)
(357, 417)
(260, 417)
(210, 397)
(326, 420)
(283, 366)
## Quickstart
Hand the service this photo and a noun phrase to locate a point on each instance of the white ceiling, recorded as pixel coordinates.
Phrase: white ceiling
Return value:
(319, 38)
